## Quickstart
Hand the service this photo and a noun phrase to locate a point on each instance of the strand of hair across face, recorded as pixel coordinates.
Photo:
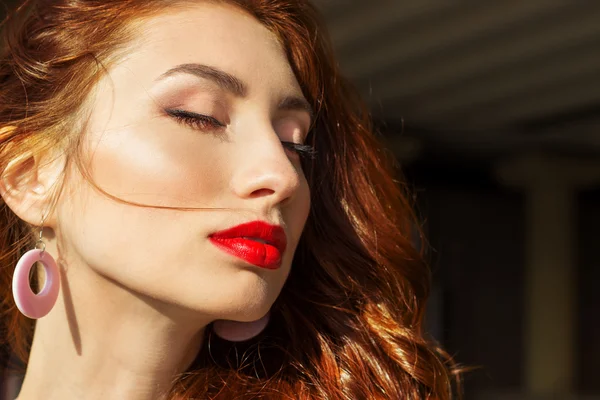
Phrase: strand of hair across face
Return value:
(348, 323)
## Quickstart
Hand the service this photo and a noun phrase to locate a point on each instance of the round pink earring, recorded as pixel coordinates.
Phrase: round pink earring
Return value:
(30, 304)
(235, 331)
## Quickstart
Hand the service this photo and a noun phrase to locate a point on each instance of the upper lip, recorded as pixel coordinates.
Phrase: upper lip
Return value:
(271, 234)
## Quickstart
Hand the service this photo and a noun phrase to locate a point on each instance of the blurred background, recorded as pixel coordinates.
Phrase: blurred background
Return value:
(493, 110)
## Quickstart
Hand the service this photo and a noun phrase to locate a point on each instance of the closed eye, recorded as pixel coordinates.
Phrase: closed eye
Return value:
(203, 122)
(194, 120)
(303, 150)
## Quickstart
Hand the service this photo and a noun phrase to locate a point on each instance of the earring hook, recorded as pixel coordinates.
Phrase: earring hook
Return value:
(40, 242)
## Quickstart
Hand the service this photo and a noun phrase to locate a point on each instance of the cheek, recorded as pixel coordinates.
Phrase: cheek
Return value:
(299, 210)
(305, 202)
(154, 166)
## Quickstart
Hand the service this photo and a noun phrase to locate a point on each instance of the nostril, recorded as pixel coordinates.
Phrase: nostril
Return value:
(262, 192)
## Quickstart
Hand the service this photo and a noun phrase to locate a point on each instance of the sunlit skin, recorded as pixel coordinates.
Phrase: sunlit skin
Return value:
(140, 284)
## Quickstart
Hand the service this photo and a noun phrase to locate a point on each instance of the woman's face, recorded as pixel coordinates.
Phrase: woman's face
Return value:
(194, 115)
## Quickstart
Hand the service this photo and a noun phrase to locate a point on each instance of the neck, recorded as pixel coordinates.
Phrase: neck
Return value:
(101, 341)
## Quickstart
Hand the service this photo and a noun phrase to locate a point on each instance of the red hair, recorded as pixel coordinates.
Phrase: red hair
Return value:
(349, 321)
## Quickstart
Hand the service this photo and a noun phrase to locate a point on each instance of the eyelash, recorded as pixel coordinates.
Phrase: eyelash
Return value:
(205, 122)
(194, 120)
(303, 150)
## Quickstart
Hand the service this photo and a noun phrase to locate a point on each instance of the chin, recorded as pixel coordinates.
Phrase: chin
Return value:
(248, 309)
(251, 299)
(252, 313)
(241, 300)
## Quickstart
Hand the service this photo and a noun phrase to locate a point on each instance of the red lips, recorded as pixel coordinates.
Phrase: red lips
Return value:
(258, 243)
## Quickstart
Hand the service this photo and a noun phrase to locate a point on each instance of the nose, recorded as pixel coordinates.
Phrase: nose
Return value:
(264, 170)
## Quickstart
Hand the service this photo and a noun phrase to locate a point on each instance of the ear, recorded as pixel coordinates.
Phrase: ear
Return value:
(28, 185)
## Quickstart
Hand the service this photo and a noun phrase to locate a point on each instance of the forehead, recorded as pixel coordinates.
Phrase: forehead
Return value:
(219, 35)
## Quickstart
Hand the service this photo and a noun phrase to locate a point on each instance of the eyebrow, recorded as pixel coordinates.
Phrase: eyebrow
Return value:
(226, 81)
(234, 85)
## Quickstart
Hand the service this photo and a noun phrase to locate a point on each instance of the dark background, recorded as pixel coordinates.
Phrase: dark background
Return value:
(461, 90)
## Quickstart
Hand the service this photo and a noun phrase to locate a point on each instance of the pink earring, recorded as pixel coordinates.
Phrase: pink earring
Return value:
(235, 331)
(30, 304)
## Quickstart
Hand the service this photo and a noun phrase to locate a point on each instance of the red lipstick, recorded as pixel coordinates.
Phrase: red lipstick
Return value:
(257, 242)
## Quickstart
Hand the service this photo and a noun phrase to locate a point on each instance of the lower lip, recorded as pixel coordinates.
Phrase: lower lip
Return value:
(262, 255)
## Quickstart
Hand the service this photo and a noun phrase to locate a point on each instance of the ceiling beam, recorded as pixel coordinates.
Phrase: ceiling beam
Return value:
(577, 92)
(376, 16)
(494, 62)
(511, 83)
(411, 42)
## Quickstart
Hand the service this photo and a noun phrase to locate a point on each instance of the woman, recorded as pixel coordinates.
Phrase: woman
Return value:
(222, 220)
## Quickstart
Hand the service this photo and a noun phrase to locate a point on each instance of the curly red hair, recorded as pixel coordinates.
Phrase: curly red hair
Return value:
(348, 323)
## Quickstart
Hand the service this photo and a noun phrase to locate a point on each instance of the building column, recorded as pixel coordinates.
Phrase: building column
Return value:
(550, 185)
